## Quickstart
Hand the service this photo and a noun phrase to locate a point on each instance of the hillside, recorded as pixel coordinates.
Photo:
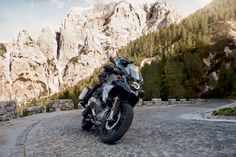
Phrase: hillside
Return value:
(31, 69)
(196, 58)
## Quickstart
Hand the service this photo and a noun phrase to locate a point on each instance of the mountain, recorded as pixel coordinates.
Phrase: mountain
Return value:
(32, 69)
(196, 58)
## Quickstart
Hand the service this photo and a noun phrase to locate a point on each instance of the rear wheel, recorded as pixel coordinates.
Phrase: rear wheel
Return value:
(112, 131)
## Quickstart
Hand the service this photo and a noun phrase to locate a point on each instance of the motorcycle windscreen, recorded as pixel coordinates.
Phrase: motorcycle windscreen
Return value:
(134, 72)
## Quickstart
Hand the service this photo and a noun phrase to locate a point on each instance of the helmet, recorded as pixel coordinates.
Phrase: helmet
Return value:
(122, 62)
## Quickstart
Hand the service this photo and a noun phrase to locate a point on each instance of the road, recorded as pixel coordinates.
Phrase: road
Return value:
(155, 131)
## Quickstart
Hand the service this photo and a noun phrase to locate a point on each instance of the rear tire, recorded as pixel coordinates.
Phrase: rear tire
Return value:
(86, 125)
(121, 127)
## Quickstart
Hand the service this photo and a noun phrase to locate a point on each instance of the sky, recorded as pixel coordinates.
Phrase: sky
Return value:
(32, 15)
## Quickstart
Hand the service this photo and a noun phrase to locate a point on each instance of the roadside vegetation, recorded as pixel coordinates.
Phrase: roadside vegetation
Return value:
(225, 112)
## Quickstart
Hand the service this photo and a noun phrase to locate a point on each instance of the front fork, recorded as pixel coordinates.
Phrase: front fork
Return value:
(114, 109)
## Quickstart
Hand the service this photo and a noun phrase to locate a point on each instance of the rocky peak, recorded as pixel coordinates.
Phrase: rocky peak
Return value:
(160, 15)
(124, 7)
(23, 40)
(47, 43)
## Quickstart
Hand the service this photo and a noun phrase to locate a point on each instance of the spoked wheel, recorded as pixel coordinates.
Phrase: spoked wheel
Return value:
(112, 131)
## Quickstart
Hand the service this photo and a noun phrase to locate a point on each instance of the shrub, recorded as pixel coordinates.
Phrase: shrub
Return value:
(225, 112)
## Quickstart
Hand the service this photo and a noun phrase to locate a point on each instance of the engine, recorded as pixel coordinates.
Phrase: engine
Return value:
(96, 105)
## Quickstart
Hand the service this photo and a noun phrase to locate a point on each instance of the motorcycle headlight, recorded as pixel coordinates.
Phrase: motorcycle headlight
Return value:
(135, 85)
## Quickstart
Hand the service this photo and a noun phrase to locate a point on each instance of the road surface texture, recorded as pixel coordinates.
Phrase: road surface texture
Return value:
(155, 131)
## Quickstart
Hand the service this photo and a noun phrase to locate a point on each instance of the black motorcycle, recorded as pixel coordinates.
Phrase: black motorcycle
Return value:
(109, 105)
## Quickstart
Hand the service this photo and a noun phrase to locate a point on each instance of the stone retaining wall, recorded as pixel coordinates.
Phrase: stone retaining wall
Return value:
(33, 110)
(8, 110)
(61, 105)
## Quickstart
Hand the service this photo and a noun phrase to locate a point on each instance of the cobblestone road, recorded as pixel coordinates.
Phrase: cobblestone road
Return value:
(156, 131)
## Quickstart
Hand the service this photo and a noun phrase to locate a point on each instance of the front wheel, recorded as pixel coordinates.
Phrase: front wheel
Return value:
(112, 131)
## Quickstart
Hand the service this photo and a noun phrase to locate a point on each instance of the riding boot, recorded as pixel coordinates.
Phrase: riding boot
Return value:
(86, 112)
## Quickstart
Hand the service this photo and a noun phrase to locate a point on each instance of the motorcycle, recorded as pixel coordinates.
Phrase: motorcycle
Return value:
(109, 105)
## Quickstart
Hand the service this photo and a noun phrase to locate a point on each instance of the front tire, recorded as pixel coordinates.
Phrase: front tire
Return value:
(117, 132)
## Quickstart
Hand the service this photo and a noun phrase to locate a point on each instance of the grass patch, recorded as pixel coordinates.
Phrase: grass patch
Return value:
(225, 112)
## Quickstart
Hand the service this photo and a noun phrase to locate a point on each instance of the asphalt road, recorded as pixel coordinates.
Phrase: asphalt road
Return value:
(155, 131)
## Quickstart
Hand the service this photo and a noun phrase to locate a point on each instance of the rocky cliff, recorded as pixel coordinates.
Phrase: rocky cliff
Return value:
(58, 59)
